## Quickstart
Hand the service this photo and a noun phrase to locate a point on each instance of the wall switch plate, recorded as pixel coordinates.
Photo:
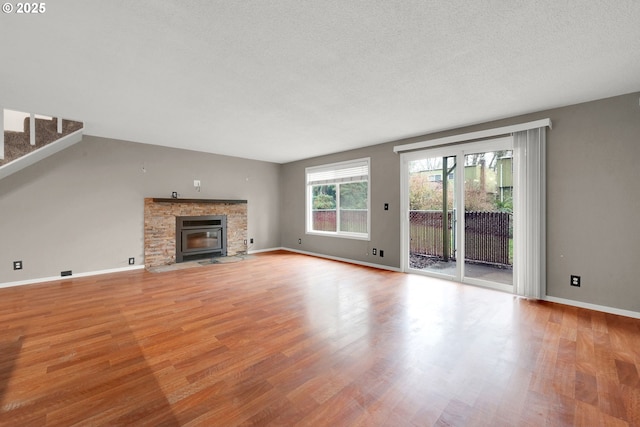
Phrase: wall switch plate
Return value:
(196, 183)
(17, 265)
(132, 261)
(575, 280)
(374, 251)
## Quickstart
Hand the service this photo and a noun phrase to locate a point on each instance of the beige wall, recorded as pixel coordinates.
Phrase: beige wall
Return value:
(82, 209)
(593, 201)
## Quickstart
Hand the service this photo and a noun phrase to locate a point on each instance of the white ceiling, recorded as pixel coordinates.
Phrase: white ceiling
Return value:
(282, 80)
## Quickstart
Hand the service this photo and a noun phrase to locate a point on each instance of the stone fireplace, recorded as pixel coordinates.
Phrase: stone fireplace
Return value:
(161, 218)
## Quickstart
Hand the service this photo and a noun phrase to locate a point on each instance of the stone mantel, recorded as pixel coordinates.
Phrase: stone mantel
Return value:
(172, 200)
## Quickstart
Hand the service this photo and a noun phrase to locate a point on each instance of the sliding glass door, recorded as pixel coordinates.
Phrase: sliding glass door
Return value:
(459, 212)
(488, 216)
(432, 207)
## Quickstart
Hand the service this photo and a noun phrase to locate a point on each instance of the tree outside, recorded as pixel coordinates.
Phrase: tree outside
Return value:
(487, 183)
(324, 197)
(353, 195)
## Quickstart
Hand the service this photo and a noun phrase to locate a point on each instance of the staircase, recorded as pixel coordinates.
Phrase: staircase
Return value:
(39, 138)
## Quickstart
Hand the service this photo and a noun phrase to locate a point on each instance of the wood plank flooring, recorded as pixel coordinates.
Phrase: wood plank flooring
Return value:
(291, 340)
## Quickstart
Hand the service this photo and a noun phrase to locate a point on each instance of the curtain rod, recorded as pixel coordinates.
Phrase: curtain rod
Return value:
(473, 135)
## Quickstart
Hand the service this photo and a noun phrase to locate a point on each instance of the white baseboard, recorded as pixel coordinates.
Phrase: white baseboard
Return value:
(265, 250)
(73, 276)
(596, 307)
(350, 261)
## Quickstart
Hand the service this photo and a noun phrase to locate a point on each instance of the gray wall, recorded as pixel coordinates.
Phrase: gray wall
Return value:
(385, 225)
(82, 209)
(593, 201)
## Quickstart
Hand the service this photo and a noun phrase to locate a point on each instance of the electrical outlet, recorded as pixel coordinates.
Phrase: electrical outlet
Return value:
(245, 242)
(575, 281)
(381, 253)
(374, 251)
(299, 241)
(251, 240)
(65, 273)
(17, 265)
(132, 261)
(386, 206)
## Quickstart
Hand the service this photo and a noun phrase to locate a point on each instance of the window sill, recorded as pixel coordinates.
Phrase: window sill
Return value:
(353, 236)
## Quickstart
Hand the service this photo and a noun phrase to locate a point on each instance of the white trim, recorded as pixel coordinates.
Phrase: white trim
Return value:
(458, 151)
(596, 307)
(345, 165)
(32, 129)
(59, 125)
(340, 234)
(41, 153)
(73, 276)
(496, 286)
(2, 133)
(404, 212)
(573, 303)
(347, 260)
(347, 171)
(488, 133)
(432, 273)
(257, 251)
(459, 205)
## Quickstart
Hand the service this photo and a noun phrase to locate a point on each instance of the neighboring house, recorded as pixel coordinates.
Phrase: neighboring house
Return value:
(496, 180)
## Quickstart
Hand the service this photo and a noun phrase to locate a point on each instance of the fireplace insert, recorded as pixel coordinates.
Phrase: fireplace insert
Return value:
(200, 237)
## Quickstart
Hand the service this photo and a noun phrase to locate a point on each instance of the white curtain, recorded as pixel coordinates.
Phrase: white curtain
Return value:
(529, 213)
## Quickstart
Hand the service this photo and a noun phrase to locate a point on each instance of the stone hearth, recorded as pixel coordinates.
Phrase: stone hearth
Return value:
(160, 225)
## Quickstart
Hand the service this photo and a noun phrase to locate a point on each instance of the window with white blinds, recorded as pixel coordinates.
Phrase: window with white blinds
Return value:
(337, 200)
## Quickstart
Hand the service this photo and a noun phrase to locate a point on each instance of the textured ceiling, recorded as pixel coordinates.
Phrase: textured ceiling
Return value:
(282, 80)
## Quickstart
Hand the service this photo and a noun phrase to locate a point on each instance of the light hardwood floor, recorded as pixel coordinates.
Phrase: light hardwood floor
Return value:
(287, 339)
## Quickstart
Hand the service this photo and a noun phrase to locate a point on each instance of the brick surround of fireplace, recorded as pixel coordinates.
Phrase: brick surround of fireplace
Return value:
(160, 225)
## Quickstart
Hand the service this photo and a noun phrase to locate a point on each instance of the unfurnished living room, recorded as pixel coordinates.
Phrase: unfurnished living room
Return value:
(320, 213)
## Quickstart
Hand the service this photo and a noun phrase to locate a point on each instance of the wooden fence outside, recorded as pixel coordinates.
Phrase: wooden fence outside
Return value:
(351, 220)
(487, 235)
(425, 233)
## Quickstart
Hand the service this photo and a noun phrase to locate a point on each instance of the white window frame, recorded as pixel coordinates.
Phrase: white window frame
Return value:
(336, 174)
